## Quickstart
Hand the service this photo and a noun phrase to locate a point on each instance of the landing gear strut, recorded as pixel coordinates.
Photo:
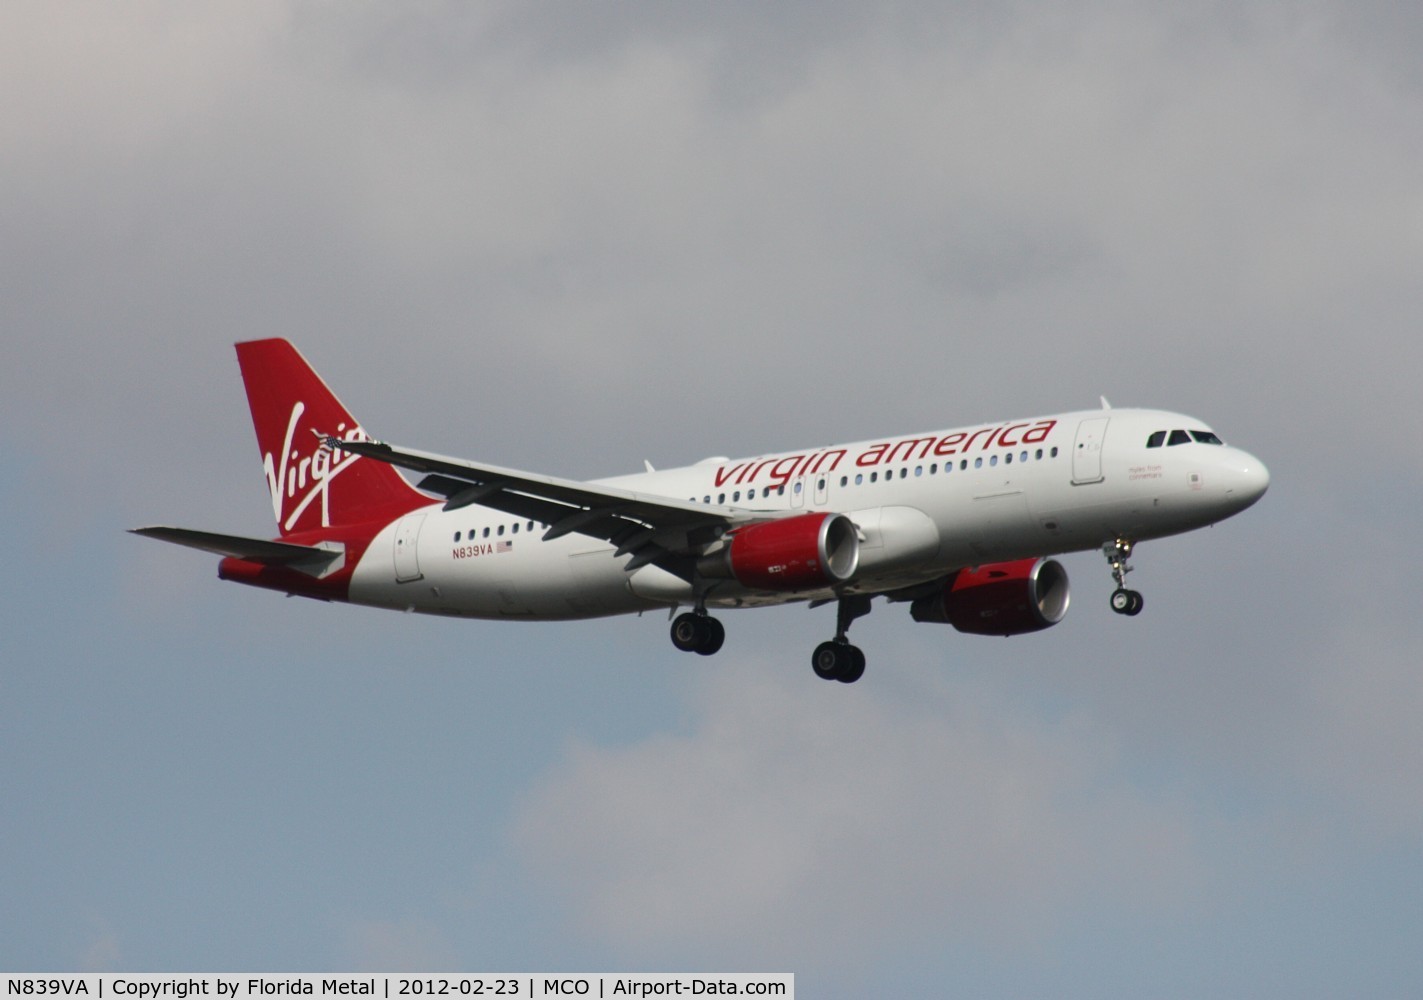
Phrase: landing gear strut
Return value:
(837, 660)
(698, 632)
(1124, 601)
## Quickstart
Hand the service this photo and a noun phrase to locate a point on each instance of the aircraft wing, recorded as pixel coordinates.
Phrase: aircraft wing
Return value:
(650, 528)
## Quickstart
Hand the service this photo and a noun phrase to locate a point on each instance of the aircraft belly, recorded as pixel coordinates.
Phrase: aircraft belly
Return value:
(502, 578)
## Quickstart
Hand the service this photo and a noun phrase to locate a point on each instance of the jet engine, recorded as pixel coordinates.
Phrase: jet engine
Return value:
(1009, 598)
(797, 553)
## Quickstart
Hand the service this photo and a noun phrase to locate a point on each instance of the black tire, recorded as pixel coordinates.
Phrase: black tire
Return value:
(1137, 603)
(826, 661)
(689, 633)
(1122, 601)
(854, 667)
(715, 636)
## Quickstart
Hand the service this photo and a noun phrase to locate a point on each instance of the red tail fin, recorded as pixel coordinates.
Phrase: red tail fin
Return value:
(312, 486)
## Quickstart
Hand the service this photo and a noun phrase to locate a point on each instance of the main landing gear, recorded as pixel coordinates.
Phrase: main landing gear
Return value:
(697, 632)
(837, 660)
(1124, 601)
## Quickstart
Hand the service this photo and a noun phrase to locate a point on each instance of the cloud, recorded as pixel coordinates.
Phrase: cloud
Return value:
(491, 199)
(796, 821)
(103, 951)
(412, 944)
(565, 239)
(1364, 694)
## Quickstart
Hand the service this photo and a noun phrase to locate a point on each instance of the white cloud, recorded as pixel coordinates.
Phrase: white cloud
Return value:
(797, 821)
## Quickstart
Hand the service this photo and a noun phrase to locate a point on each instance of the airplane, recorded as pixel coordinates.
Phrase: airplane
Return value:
(960, 524)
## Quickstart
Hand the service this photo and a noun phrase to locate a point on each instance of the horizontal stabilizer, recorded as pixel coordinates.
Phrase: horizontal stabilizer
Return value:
(307, 558)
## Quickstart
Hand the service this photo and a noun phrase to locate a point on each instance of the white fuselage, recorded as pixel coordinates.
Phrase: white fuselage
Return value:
(925, 505)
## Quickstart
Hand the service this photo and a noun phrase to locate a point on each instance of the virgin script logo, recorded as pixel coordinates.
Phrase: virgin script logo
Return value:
(299, 480)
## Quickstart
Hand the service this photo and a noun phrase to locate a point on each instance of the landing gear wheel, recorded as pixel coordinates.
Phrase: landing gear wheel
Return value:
(856, 667)
(825, 661)
(687, 632)
(716, 635)
(838, 661)
(1127, 602)
(694, 633)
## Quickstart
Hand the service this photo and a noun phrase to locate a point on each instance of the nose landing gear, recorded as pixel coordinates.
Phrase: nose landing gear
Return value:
(1124, 601)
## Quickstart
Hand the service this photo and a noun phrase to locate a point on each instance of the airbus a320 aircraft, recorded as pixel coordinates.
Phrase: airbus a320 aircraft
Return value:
(958, 523)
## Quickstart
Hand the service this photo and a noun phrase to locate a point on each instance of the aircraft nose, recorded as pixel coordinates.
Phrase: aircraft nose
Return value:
(1249, 481)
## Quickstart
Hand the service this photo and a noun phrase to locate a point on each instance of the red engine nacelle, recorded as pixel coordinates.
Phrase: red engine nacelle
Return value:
(1000, 598)
(798, 553)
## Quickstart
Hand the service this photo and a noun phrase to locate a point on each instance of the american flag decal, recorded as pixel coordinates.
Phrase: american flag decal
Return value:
(504, 547)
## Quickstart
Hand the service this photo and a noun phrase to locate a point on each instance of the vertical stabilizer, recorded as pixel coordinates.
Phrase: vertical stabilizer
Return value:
(312, 486)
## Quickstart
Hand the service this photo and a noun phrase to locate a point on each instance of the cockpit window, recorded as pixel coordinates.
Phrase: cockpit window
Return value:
(1156, 440)
(1178, 437)
(1206, 437)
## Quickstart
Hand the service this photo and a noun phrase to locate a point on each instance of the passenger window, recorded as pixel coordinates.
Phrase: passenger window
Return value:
(1039, 456)
(501, 529)
(978, 463)
(1008, 459)
(993, 460)
(457, 536)
(859, 479)
(486, 532)
(1178, 437)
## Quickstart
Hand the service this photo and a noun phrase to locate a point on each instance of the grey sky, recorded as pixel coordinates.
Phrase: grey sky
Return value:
(570, 238)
